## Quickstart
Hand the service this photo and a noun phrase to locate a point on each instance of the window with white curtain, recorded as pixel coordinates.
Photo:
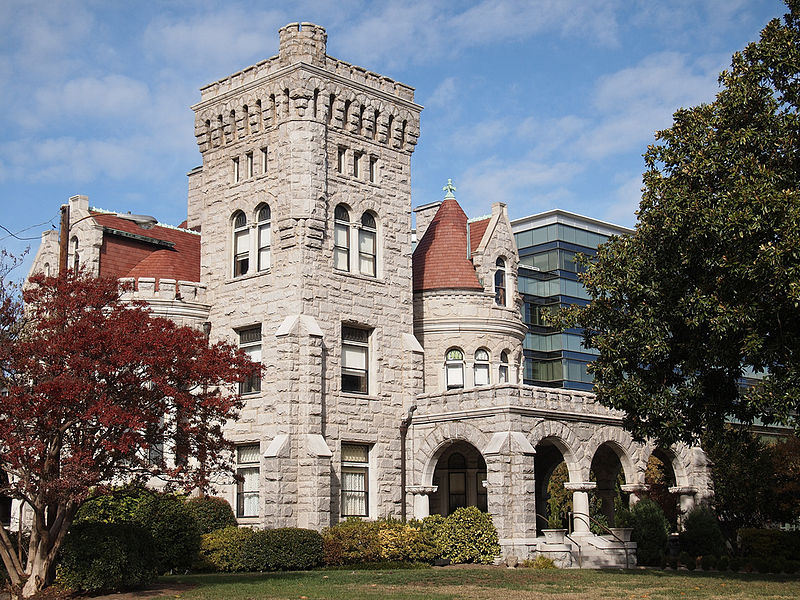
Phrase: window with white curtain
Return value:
(341, 238)
(367, 253)
(481, 367)
(355, 360)
(454, 368)
(247, 468)
(250, 343)
(355, 480)
(241, 245)
(264, 238)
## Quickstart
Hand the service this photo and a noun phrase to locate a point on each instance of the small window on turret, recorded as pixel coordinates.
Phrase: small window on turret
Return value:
(500, 282)
(250, 171)
(236, 173)
(263, 160)
(357, 164)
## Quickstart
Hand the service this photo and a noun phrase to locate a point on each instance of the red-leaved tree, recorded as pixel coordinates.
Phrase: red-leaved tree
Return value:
(96, 387)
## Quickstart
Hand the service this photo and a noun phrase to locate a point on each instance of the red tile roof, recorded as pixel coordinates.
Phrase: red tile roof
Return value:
(476, 231)
(126, 257)
(440, 259)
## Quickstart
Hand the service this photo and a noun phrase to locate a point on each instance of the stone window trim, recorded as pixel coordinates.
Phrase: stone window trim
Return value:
(357, 245)
(250, 342)
(236, 170)
(240, 244)
(368, 245)
(454, 369)
(341, 238)
(251, 248)
(355, 488)
(248, 469)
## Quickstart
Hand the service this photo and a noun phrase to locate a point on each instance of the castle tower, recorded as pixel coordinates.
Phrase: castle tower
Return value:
(304, 201)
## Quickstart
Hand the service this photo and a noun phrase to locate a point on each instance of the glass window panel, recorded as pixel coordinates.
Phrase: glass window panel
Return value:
(481, 354)
(241, 243)
(455, 376)
(248, 454)
(481, 374)
(354, 357)
(341, 235)
(264, 235)
(503, 374)
(264, 258)
(341, 259)
(366, 264)
(355, 453)
(455, 354)
(366, 242)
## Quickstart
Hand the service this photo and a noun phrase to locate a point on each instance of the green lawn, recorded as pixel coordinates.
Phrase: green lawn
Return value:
(486, 583)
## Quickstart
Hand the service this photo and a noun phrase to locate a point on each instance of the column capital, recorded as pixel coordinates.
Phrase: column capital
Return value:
(686, 490)
(635, 488)
(424, 490)
(580, 486)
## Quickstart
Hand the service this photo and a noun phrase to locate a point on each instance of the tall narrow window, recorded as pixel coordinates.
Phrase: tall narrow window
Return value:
(503, 372)
(236, 173)
(316, 102)
(355, 480)
(340, 158)
(341, 239)
(331, 103)
(346, 116)
(76, 259)
(481, 367)
(357, 164)
(367, 246)
(454, 369)
(250, 171)
(250, 343)
(375, 116)
(355, 360)
(264, 160)
(247, 467)
(241, 245)
(234, 132)
(500, 282)
(457, 482)
(373, 169)
(264, 238)
(389, 131)
(361, 119)
(246, 119)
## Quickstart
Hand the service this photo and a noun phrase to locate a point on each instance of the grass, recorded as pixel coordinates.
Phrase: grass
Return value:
(486, 583)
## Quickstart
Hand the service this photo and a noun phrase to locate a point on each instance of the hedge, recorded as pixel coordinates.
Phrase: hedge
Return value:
(235, 549)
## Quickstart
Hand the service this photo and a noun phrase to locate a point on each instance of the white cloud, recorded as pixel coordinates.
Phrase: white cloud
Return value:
(444, 95)
(626, 203)
(107, 96)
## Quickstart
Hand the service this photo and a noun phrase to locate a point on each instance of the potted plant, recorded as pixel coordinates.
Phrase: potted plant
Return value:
(623, 522)
(555, 533)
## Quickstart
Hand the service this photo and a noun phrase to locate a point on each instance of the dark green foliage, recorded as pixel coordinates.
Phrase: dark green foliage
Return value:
(684, 558)
(708, 562)
(166, 516)
(701, 534)
(691, 563)
(723, 563)
(352, 541)
(791, 566)
(468, 536)
(707, 286)
(234, 549)
(211, 513)
(769, 542)
(672, 563)
(735, 564)
(105, 557)
(762, 565)
(650, 531)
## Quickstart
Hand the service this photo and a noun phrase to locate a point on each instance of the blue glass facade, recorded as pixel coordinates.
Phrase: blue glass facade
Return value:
(548, 279)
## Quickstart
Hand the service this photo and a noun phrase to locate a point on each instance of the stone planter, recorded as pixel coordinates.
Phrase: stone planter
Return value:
(554, 536)
(623, 533)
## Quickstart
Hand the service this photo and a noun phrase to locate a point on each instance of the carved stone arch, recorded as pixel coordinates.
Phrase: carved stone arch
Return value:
(680, 459)
(438, 440)
(563, 438)
(622, 444)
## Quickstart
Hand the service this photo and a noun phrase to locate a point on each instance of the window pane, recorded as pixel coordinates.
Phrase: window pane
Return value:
(354, 357)
(341, 259)
(341, 235)
(481, 374)
(248, 454)
(481, 354)
(503, 374)
(241, 244)
(354, 492)
(366, 242)
(455, 376)
(264, 258)
(264, 235)
(355, 453)
(366, 264)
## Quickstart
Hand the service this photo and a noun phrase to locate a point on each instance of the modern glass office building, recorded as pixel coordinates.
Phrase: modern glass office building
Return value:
(548, 278)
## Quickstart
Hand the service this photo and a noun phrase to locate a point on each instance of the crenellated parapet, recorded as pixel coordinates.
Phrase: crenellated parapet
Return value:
(182, 301)
(302, 82)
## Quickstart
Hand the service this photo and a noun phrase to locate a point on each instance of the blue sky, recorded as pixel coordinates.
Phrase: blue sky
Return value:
(540, 104)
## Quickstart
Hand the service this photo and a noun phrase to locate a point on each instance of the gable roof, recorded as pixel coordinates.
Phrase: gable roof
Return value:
(440, 259)
(161, 252)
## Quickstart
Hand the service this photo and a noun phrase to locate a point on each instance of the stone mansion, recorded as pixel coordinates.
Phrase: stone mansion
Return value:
(391, 381)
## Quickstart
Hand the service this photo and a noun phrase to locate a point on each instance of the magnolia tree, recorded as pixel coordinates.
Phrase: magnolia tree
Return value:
(96, 388)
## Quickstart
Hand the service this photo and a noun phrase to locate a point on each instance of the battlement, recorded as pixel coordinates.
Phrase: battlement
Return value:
(302, 42)
(149, 289)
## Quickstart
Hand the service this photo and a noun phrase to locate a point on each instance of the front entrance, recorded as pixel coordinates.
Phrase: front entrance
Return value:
(460, 477)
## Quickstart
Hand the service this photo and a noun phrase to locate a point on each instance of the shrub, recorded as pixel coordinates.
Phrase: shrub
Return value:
(691, 563)
(684, 558)
(701, 534)
(467, 536)
(105, 557)
(708, 562)
(351, 541)
(672, 563)
(735, 564)
(791, 566)
(224, 550)
(542, 562)
(406, 542)
(762, 565)
(211, 513)
(769, 542)
(650, 530)
(723, 563)
(287, 549)
(166, 516)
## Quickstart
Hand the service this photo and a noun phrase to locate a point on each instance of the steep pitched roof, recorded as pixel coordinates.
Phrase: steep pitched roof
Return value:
(161, 252)
(476, 231)
(440, 259)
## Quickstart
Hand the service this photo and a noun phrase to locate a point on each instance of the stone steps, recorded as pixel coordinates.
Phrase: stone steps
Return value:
(589, 552)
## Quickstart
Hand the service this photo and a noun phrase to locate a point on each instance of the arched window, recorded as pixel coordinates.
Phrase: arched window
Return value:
(454, 369)
(76, 260)
(341, 238)
(502, 375)
(264, 238)
(241, 244)
(481, 367)
(366, 245)
(500, 282)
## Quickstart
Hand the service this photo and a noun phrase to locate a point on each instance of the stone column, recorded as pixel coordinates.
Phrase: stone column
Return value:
(422, 500)
(580, 505)
(636, 490)
(687, 500)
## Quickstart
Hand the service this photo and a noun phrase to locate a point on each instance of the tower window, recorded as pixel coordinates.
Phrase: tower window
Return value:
(236, 173)
(263, 160)
(373, 168)
(264, 238)
(500, 282)
(241, 245)
(481, 367)
(503, 371)
(355, 360)
(341, 238)
(454, 369)
(250, 171)
(357, 164)
(355, 480)
(340, 158)
(367, 256)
